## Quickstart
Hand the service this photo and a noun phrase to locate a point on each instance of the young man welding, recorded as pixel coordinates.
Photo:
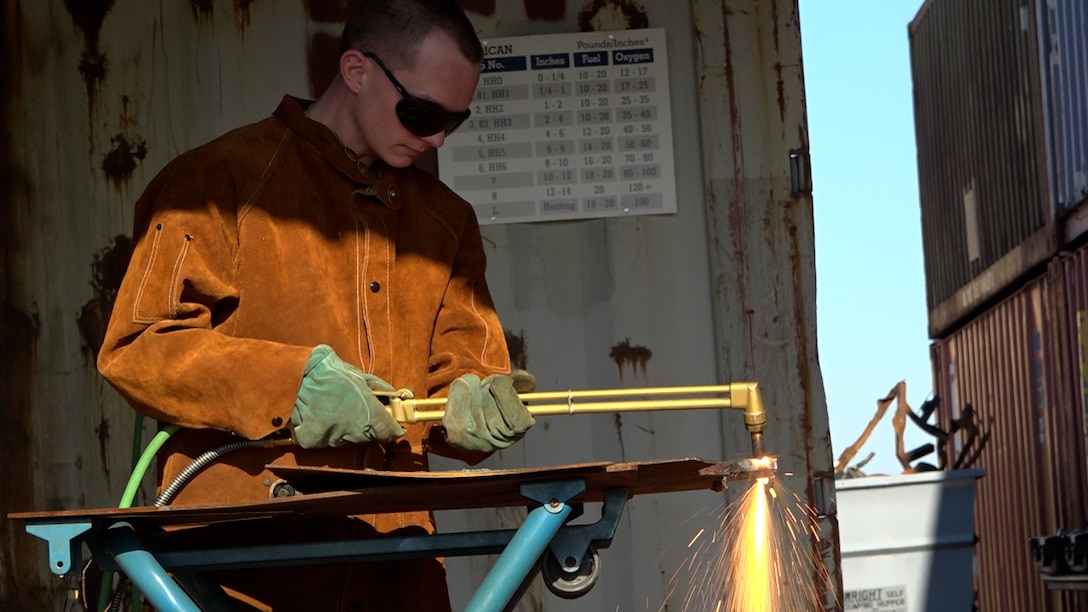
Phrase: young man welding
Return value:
(285, 271)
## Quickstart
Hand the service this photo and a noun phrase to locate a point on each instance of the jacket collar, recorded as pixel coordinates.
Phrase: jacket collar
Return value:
(378, 181)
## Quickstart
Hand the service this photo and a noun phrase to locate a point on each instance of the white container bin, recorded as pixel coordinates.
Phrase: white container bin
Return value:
(907, 542)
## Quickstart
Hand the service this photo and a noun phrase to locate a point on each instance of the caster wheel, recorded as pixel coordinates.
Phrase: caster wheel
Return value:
(571, 584)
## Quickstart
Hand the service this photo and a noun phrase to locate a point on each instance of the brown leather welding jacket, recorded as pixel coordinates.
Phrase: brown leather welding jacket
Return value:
(252, 249)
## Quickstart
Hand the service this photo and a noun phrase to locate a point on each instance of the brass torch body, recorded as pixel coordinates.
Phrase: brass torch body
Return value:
(744, 396)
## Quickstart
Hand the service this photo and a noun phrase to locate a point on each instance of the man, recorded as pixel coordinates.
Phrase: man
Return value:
(288, 269)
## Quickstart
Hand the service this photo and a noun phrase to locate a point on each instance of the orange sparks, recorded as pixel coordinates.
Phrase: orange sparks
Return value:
(751, 556)
(755, 561)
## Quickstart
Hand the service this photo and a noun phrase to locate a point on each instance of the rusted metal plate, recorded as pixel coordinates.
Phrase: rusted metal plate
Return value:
(496, 488)
(339, 492)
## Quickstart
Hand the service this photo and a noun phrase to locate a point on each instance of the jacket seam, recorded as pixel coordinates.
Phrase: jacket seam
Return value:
(175, 275)
(262, 181)
(483, 323)
(389, 280)
(136, 317)
(361, 261)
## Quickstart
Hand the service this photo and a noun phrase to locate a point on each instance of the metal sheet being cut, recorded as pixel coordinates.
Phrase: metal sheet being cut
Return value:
(339, 492)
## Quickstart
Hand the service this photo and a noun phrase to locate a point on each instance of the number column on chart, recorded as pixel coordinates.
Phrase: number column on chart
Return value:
(637, 119)
(501, 145)
(553, 118)
(596, 142)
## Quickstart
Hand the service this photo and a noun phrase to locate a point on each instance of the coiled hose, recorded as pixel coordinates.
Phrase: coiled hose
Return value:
(163, 499)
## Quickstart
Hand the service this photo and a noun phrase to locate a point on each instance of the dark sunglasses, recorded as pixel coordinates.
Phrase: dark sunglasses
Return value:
(421, 117)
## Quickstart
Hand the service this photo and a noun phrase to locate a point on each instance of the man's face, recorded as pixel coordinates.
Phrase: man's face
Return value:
(441, 75)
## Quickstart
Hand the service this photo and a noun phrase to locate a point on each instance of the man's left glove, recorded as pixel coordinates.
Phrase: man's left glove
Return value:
(485, 416)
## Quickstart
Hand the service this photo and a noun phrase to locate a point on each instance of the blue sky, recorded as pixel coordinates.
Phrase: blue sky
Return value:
(871, 309)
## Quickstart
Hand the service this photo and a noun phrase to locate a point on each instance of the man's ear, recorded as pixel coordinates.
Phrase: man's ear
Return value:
(353, 66)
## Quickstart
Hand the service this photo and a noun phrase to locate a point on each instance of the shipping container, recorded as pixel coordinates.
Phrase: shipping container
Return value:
(981, 168)
(1063, 39)
(1001, 123)
(1074, 287)
(1005, 398)
(89, 119)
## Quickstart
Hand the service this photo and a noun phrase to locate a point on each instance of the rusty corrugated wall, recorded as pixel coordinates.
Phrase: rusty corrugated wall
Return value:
(1000, 114)
(986, 218)
(1003, 378)
(1072, 298)
(722, 291)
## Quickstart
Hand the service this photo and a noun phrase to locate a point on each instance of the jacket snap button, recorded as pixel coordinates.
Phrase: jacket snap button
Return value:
(375, 287)
(392, 193)
(277, 421)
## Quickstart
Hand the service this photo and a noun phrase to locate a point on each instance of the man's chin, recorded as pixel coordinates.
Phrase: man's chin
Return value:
(400, 160)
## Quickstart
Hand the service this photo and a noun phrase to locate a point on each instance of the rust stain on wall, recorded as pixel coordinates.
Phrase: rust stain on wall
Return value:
(202, 9)
(598, 15)
(242, 14)
(545, 10)
(92, 65)
(636, 357)
(108, 268)
(122, 159)
(515, 343)
(102, 430)
(88, 16)
(780, 84)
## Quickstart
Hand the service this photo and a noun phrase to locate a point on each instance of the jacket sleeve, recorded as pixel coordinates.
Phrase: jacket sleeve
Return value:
(468, 336)
(165, 350)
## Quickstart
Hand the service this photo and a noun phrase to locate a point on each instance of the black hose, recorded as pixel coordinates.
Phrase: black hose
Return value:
(201, 462)
(198, 464)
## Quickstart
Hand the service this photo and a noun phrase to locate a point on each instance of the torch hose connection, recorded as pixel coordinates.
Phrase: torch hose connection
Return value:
(736, 396)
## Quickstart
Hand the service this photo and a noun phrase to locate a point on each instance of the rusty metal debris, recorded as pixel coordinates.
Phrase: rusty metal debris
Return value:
(967, 425)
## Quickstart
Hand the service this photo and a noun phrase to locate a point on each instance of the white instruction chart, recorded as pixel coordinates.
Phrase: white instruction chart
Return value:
(567, 126)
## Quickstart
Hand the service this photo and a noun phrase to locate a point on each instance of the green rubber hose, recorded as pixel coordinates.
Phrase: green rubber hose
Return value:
(140, 464)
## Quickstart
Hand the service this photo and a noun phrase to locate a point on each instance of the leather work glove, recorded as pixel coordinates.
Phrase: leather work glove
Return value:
(484, 416)
(336, 404)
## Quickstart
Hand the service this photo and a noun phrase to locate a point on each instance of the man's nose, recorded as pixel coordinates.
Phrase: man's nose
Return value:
(436, 140)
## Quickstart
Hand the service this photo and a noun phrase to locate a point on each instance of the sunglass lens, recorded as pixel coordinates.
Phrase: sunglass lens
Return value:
(424, 118)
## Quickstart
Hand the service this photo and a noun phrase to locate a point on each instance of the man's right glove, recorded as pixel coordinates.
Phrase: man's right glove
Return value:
(485, 416)
(336, 404)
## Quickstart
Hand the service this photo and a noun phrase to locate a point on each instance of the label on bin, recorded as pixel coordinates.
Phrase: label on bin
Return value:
(885, 599)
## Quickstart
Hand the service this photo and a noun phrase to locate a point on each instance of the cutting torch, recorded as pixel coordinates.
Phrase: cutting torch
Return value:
(744, 396)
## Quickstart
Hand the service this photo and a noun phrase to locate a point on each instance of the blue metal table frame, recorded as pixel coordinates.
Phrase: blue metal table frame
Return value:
(160, 574)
